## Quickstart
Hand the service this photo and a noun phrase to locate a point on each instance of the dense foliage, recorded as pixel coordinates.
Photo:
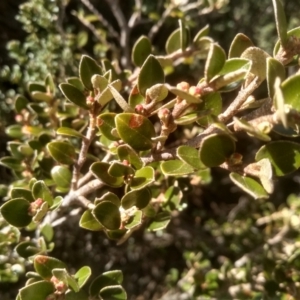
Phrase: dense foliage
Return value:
(143, 149)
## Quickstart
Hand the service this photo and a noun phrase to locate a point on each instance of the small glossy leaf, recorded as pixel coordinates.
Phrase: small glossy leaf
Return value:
(106, 123)
(22, 193)
(99, 82)
(173, 196)
(69, 132)
(291, 91)
(62, 152)
(40, 212)
(115, 292)
(135, 97)
(62, 176)
(281, 24)
(71, 295)
(119, 99)
(176, 168)
(83, 275)
(47, 232)
(37, 291)
(40, 96)
(44, 265)
(12, 163)
(135, 220)
(14, 131)
(27, 249)
(157, 92)
(106, 95)
(215, 61)
(259, 61)
(89, 222)
(40, 190)
(184, 95)
(184, 35)
(76, 82)
(143, 177)
(191, 117)
(215, 149)
(119, 169)
(281, 112)
(108, 215)
(74, 95)
(177, 40)
(239, 44)
(190, 156)
(295, 32)
(35, 86)
(160, 221)
(108, 66)
(141, 50)
(136, 130)
(283, 155)
(16, 212)
(150, 74)
(274, 69)
(100, 170)
(109, 196)
(139, 198)
(249, 185)
(106, 279)
(20, 103)
(87, 68)
(126, 153)
(201, 33)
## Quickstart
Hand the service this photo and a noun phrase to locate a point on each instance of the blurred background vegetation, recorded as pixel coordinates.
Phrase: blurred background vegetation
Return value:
(223, 244)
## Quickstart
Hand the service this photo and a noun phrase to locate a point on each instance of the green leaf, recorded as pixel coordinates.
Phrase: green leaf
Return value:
(37, 291)
(89, 222)
(106, 123)
(69, 132)
(16, 212)
(157, 92)
(201, 33)
(239, 44)
(150, 74)
(295, 32)
(113, 293)
(160, 221)
(135, 220)
(215, 149)
(281, 24)
(291, 92)
(12, 163)
(119, 169)
(62, 152)
(173, 196)
(40, 190)
(249, 185)
(62, 176)
(176, 168)
(109, 92)
(126, 153)
(76, 82)
(136, 130)
(44, 265)
(177, 40)
(135, 97)
(274, 69)
(283, 155)
(119, 99)
(40, 96)
(142, 178)
(35, 86)
(83, 275)
(108, 215)
(27, 249)
(184, 95)
(184, 35)
(109, 196)
(87, 68)
(190, 156)
(259, 61)
(14, 131)
(106, 279)
(139, 198)
(215, 61)
(71, 295)
(74, 95)
(100, 170)
(20, 103)
(141, 50)
(48, 232)
(22, 193)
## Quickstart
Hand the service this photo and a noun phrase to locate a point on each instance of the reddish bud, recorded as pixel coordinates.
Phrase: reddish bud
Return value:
(60, 286)
(90, 100)
(18, 118)
(195, 91)
(184, 86)
(139, 109)
(126, 162)
(35, 206)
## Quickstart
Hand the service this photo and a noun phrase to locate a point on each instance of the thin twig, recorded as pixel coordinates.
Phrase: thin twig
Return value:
(101, 19)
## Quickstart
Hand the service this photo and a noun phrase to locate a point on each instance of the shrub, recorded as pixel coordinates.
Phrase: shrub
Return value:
(122, 150)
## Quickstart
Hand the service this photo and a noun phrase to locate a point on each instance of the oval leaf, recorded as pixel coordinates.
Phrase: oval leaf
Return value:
(74, 95)
(160, 221)
(215, 149)
(274, 69)
(283, 155)
(115, 292)
(143, 177)
(141, 50)
(281, 24)
(40, 190)
(83, 275)
(108, 215)
(176, 168)
(190, 156)
(37, 291)
(139, 198)
(69, 132)
(150, 74)
(126, 153)
(62, 152)
(87, 68)
(44, 265)
(62, 176)
(89, 222)
(239, 44)
(136, 130)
